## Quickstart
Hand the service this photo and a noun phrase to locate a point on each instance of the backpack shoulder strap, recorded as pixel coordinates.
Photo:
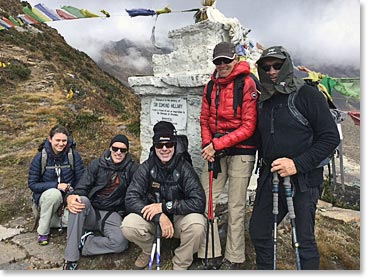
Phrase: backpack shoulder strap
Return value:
(209, 90)
(257, 82)
(127, 170)
(239, 82)
(152, 170)
(71, 158)
(293, 109)
(177, 172)
(43, 160)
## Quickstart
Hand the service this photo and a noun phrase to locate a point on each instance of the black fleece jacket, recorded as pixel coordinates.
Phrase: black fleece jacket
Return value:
(98, 175)
(178, 183)
(284, 136)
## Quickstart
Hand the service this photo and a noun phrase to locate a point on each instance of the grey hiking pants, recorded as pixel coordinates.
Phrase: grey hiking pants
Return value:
(111, 241)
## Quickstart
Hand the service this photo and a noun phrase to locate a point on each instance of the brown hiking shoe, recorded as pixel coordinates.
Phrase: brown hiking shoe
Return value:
(142, 261)
(228, 265)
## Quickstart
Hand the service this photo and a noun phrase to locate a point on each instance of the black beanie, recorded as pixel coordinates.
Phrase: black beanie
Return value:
(164, 129)
(120, 138)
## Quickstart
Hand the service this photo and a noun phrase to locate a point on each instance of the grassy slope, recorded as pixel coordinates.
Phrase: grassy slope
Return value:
(33, 92)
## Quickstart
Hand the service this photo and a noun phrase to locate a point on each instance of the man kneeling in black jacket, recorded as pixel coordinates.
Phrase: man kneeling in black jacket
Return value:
(182, 201)
(98, 204)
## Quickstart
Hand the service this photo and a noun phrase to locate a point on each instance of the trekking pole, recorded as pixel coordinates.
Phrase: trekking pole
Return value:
(210, 216)
(292, 216)
(275, 213)
(61, 215)
(58, 173)
(156, 248)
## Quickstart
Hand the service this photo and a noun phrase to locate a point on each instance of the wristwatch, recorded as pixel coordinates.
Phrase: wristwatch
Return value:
(169, 206)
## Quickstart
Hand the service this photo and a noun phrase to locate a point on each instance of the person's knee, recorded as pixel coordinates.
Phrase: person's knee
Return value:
(197, 229)
(85, 200)
(128, 228)
(52, 193)
(51, 196)
(119, 242)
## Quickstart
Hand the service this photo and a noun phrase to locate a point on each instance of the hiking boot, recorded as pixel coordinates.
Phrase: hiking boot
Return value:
(213, 264)
(43, 239)
(228, 265)
(83, 239)
(142, 261)
(70, 265)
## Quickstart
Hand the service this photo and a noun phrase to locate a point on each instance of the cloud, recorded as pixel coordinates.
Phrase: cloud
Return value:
(315, 31)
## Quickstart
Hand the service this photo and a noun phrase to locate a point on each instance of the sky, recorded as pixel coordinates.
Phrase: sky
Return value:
(325, 31)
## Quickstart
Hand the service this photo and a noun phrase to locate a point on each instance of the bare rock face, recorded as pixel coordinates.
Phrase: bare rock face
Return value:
(343, 215)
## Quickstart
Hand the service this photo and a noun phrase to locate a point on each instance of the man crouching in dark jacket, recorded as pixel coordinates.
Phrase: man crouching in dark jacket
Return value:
(165, 190)
(98, 204)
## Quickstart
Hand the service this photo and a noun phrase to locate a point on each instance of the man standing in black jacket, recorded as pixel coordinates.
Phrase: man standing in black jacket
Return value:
(98, 204)
(180, 211)
(290, 148)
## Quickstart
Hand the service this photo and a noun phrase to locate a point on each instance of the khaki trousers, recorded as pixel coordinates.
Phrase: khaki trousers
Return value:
(237, 170)
(188, 228)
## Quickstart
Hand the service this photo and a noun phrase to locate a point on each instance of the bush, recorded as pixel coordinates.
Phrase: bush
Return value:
(21, 71)
(134, 128)
(15, 70)
(79, 122)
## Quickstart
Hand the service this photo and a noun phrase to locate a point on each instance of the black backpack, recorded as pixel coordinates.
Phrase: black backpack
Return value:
(337, 116)
(238, 90)
(182, 147)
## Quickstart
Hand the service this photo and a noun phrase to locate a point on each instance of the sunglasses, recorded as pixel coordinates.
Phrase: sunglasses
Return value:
(222, 60)
(159, 145)
(122, 150)
(276, 66)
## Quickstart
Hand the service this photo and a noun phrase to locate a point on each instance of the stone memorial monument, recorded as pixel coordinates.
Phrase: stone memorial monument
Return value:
(175, 90)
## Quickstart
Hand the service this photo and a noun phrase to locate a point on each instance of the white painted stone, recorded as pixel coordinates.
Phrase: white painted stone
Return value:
(193, 47)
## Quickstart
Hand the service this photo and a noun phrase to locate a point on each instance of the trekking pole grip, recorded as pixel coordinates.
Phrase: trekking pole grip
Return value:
(275, 193)
(210, 166)
(288, 196)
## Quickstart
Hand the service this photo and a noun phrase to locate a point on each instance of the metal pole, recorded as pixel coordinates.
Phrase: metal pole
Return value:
(275, 213)
(341, 165)
(156, 248)
(341, 155)
(152, 253)
(158, 235)
(210, 216)
(333, 171)
(288, 195)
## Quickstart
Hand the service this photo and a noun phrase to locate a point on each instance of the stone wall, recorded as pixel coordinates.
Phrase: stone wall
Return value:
(174, 92)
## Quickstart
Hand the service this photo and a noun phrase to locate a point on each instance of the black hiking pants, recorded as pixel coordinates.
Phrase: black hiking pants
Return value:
(262, 223)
